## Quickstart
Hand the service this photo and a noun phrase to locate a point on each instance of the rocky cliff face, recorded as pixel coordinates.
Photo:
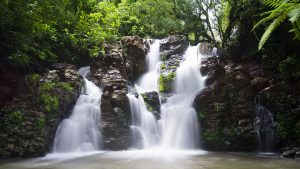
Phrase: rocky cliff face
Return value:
(121, 63)
(28, 123)
(232, 117)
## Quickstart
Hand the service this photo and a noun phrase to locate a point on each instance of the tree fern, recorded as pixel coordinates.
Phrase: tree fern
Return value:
(270, 29)
(273, 3)
(283, 9)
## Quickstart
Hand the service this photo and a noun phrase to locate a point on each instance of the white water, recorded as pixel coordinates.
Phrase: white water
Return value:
(144, 125)
(80, 132)
(149, 81)
(178, 127)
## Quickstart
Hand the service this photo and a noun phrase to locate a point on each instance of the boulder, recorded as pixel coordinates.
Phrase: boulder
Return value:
(152, 102)
(174, 44)
(134, 51)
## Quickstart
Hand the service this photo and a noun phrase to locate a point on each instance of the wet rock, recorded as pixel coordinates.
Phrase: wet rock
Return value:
(110, 73)
(134, 53)
(289, 153)
(259, 83)
(172, 49)
(168, 73)
(152, 102)
(225, 107)
(172, 45)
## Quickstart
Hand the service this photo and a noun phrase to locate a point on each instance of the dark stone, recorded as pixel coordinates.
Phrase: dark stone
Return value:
(152, 102)
(289, 153)
(134, 54)
(173, 45)
(259, 83)
(110, 72)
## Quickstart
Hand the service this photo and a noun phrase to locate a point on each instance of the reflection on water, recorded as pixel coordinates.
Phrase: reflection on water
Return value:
(156, 160)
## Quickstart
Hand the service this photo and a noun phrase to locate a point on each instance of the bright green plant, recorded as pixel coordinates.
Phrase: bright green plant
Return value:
(282, 10)
(165, 81)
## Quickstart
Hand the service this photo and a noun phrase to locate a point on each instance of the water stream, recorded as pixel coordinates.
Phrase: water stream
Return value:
(80, 132)
(264, 125)
(178, 126)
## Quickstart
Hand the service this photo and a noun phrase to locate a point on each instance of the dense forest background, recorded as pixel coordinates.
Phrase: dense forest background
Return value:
(34, 33)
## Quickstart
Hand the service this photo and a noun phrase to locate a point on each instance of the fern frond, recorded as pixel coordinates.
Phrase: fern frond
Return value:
(272, 15)
(295, 13)
(271, 28)
(273, 3)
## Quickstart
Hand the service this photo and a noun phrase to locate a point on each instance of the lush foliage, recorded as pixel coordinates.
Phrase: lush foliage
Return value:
(282, 9)
(34, 33)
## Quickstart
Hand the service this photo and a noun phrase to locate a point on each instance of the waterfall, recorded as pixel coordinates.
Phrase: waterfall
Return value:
(144, 125)
(178, 127)
(264, 126)
(80, 131)
(149, 81)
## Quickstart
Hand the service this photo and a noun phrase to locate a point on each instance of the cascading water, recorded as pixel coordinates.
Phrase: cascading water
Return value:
(144, 126)
(80, 131)
(178, 127)
(264, 125)
(148, 82)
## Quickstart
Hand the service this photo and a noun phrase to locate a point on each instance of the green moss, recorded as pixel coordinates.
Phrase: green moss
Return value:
(48, 94)
(211, 136)
(32, 82)
(163, 66)
(14, 117)
(65, 86)
(50, 102)
(40, 123)
(165, 82)
(202, 114)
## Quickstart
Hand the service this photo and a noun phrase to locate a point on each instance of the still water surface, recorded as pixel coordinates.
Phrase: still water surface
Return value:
(154, 160)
